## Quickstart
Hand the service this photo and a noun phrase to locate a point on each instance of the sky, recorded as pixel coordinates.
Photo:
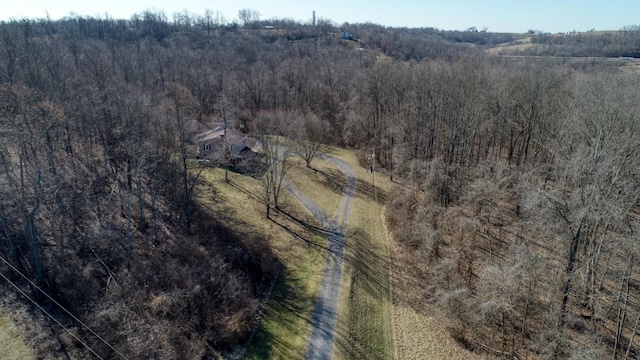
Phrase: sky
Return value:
(516, 16)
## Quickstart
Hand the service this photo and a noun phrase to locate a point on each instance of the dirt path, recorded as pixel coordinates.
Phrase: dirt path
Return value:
(320, 344)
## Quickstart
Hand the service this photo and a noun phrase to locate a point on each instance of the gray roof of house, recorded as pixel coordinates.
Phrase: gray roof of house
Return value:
(233, 136)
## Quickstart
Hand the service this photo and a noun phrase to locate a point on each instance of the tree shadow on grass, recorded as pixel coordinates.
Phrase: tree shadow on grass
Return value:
(300, 235)
(250, 194)
(333, 179)
(312, 228)
(357, 338)
(371, 269)
(292, 307)
(367, 191)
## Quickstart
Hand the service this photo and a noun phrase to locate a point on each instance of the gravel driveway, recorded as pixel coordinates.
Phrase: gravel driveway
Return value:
(324, 318)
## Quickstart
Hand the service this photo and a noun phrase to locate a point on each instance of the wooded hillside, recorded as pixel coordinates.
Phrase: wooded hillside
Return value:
(522, 195)
(519, 192)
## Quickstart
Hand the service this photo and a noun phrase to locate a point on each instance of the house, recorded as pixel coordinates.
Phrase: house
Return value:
(222, 145)
(346, 35)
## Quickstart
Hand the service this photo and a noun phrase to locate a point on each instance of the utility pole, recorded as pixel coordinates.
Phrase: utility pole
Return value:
(225, 160)
(373, 173)
(373, 168)
(224, 147)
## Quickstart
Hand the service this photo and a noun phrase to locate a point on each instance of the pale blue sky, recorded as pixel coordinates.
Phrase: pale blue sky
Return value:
(497, 15)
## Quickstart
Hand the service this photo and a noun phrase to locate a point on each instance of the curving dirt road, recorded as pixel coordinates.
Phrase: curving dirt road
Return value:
(320, 344)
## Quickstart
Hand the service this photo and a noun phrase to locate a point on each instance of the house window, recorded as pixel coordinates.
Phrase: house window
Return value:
(207, 147)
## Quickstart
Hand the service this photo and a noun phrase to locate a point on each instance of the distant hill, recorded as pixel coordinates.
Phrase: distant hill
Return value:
(609, 44)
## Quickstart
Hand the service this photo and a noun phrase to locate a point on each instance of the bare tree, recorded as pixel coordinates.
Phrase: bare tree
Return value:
(248, 16)
(275, 154)
(180, 109)
(594, 193)
(225, 109)
(31, 178)
(310, 136)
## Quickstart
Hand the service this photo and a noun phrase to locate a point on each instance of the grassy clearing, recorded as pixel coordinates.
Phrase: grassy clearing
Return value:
(364, 329)
(632, 67)
(285, 327)
(518, 44)
(322, 183)
(12, 346)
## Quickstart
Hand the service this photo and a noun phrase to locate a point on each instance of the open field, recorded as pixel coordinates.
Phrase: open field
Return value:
(518, 44)
(322, 184)
(12, 345)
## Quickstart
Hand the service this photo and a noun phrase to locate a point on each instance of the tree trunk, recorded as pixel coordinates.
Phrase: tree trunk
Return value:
(633, 334)
(7, 235)
(127, 174)
(187, 199)
(569, 273)
(571, 262)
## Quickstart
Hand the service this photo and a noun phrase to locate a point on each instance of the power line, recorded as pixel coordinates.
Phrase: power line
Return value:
(51, 316)
(60, 306)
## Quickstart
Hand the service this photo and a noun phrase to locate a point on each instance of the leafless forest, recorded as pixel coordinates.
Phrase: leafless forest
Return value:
(517, 178)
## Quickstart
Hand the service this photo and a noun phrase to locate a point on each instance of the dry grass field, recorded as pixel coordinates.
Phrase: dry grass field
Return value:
(508, 47)
(364, 329)
(420, 330)
(12, 345)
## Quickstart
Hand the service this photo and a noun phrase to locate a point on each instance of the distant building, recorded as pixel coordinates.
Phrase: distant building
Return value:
(345, 34)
